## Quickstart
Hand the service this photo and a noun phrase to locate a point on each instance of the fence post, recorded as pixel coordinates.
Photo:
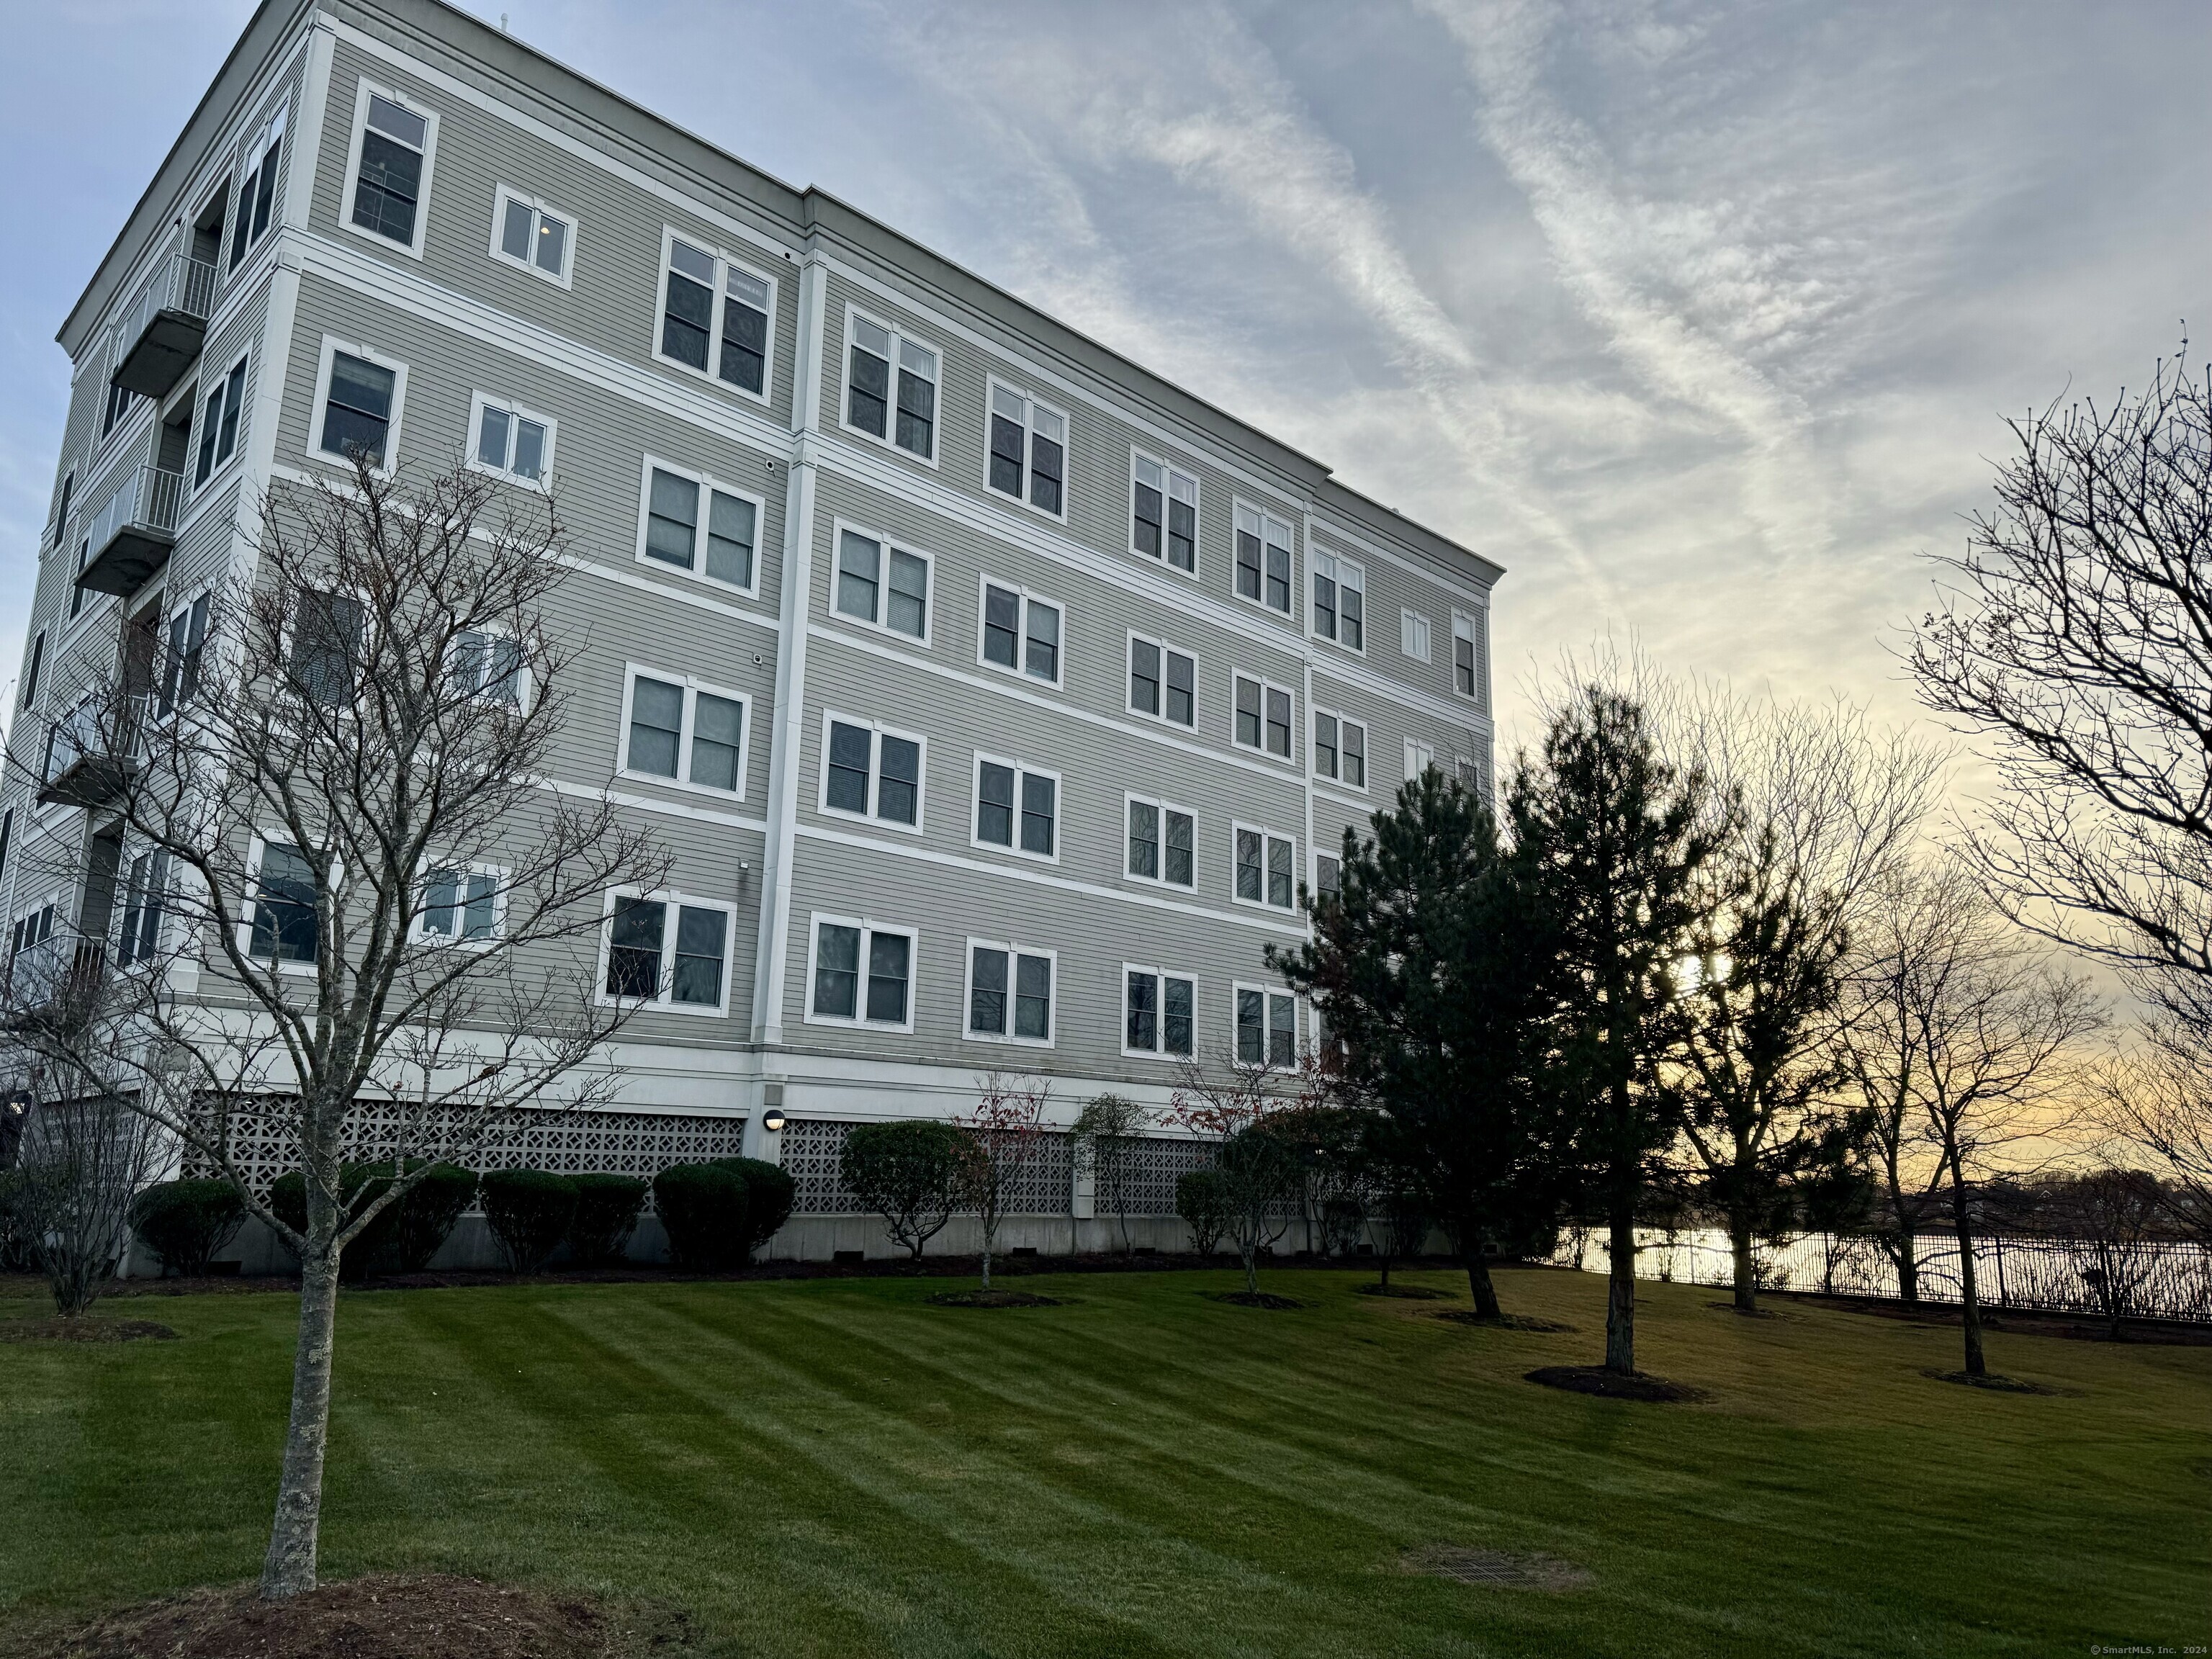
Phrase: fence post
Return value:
(2002, 1299)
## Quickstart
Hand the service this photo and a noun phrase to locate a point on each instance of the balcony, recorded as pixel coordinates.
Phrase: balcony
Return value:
(58, 974)
(166, 326)
(92, 752)
(132, 535)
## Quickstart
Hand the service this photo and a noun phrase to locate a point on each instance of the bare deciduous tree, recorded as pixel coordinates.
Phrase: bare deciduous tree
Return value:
(83, 1156)
(2156, 1102)
(1110, 1132)
(1232, 1105)
(1006, 1131)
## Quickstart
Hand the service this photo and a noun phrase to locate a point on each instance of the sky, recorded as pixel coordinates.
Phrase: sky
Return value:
(1704, 320)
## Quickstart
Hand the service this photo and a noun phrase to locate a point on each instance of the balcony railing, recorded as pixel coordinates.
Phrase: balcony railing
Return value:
(94, 751)
(133, 532)
(166, 324)
(45, 979)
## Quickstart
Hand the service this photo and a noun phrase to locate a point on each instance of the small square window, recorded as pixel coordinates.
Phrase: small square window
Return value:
(871, 771)
(1262, 717)
(1162, 682)
(1161, 842)
(1264, 866)
(680, 731)
(512, 442)
(1158, 1011)
(1010, 993)
(528, 233)
(1020, 633)
(1017, 808)
(666, 951)
(883, 586)
(1339, 749)
(674, 502)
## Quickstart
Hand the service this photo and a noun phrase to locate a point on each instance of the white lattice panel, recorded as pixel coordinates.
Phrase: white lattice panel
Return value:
(813, 1146)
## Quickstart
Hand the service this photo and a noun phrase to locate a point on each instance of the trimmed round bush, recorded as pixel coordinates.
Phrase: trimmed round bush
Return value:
(1202, 1200)
(405, 1234)
(707, 1210)
(770, 1192)
(186, 1222)
(529, 1212)
(607, 1206)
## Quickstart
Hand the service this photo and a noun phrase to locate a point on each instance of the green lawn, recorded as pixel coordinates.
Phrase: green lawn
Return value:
(833, 1468)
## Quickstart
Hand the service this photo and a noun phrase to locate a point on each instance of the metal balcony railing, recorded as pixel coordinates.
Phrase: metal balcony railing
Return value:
(94, 750)
(133, 532)
(44, 978)
(166, 324)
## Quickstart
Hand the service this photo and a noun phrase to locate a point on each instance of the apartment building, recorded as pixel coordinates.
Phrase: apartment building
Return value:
(994, 695)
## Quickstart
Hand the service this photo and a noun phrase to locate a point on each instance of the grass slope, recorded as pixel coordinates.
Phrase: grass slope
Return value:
(834, 1468)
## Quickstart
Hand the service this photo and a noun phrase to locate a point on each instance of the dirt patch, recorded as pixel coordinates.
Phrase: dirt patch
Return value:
(1495, 1569)
(85, 1328)
(1253, 1299)
(1992, 1382)
(385, 1616)
(1409, 1292)
(1504, 1321)
(994, 1299)
(1613, 1385)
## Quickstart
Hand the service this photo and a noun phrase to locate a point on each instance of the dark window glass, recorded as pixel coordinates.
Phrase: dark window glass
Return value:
(1324, 606)
(242, 236)
(1182, 689)
(717, 731)
(687, 319)
(1282, 1030)
(745, 332)
(671, 519)
(142, 911)
(385, 196)
(908, 610)
(898, 792)
(1281, 885)
(1250, 850)
(1247, 563)
(656, 725)
(1039, 807)
(285, 926)
(1005, 455)
(325, 643)
(1247, 713)
(1179, 855)
(1048, 469)
(1324, 756)
(986, 994)
(1278, 722)
(181, 672)
(491, 437)
(1355, 754)
(1177, 1022)
(1033, 997)
(849, 747)
(1279, 578)
(515, 232)
(917, 412)
(837, 971)
(1144, 1012)
(1144, 839)
(859, 577)
(995, 804)
(1355, 619)
(1144, 677)
(1148, 521)
(30, 674)
(1329, 877)
(1002, 621)
(699, 937)
(1251, 1027)
(887, 976)
(730, 529)
(634, 947)
(358, 417)
(868, 398)
(1182, 535)
(1043, 658)
(265, 193)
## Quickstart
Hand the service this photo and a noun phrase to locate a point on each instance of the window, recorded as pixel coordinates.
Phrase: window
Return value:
(256, 192)
(1020, 632)
(1266, 1027)
(461, 906)
(1263, 717)
(28, 933)
(1468, 771)
(869, 771)
(1009, 993)
(667, 950)
(512, 442)
(1471, 655)
(391, 148)
(883, 586)
(1162, 682)
(862, 975)
(327, 642)
(219, 423)
(120, 397)
(1263, 559)
(869, 397)
(6, 837)
(1016, 807)
(1161, 840)
(678, 731)
(284, 927)
(1419, 757)
(715, 316)
(1163, 512)
(1028, 451)
(1339, 749)
(1339, 600)
(1413, 635)
(1159, 1012)
(1329, 876)
(180, 665)
(1266, 867)
(360, 400)
(487, 665)
(671, 530)
(145, 887)
(524, 232)
(30, 696)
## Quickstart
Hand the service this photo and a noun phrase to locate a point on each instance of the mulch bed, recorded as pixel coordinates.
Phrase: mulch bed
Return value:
(84, 1328)
(994, 1299)
(1495, 1569)
(1254, 1299)
(1504, 1321)
(1410, 1292)
(1613, 1385)
(1991, 1381)
(384, 1616)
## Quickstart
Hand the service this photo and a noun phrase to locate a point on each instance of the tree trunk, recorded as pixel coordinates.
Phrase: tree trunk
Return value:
(1387, 1256)
(1746, 1266)
(1477, 1282)
(986, 1261)
(1908, 1267)
(1251, 1257)
(290, 1569)
(1970, 1306)
(1621, 1293)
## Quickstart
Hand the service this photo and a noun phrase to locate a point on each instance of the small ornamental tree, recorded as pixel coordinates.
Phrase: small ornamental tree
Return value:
(1231, 1106)
(913, 1174)
(1006, 1133)
(1110, 1130)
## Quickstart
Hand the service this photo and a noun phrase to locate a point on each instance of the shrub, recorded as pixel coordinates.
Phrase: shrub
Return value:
(1202, 1200)
(404, 1236)
(606, 1212)
(529, 1211)
(770, 1192)
(186, 1222)
(706, 1209)
(912, 1174)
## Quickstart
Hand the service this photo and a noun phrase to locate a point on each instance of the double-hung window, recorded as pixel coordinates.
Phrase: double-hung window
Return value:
(392, 147)
(677, 731)
(1471, 655)
(1419, 757)
(510, 441)
(1159, 1012)
(145, 890)
(1339, 749)
(891, 386)
(1029, 450)
(120, 399)
(869, 771)
(219, 423)
(1266, 1026)
(257, 191)
(328, 631)
(1329, 876)
(695, 525)
(1263, 717)
(1016, 807)
(1413, 635)
(715, 315)
(1339, 600)
(1162, 682)
(461, 905)
(284, 926)
(883, 586)
(1021, 633)
(180, 665)
(1266, 868)
(1161, 842)
(1263, 559)
(487, 665)
(666, 951)
(1163, 512)
(1010, 990)
(862, 973)
(28, 696)
(524, 232)
(359, 405)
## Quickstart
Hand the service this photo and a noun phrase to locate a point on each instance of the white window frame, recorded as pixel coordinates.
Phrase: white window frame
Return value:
(1411, 621)
(838, 527)
(1026, 596)
(501, 196)
(419, 930)
(869, 928)
(1268, 993)
(129, 896)
(1030, 406)
(1006, 1039)
(273, 129)
(692, 687)
(663, 999)
(352, 180)
(698, 571)
(890, 439)
(478, 401)
(173, 607)
(257, 844)
(220, 463)
(1260, 748)
(878, 731)
(1338, 565)
(1163, 807)
(1419, 756)
(1267, 837)
(1477, 622)
(1366, 750)
(320, 409)
(1021, 770)
(1197, 488)
(1238, 507)
(1315, 855)
(1160, 977)
(1166, 647)
(523, 684)
(725, 261)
